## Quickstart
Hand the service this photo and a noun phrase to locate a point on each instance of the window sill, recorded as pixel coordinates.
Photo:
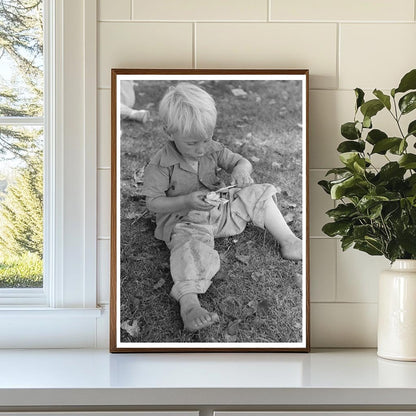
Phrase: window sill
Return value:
(39, 327)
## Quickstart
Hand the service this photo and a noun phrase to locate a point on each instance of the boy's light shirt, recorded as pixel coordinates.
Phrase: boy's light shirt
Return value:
(168, 174)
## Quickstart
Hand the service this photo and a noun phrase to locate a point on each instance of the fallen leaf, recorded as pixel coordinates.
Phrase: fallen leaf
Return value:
(159, 284)
(258, 276)
(297, 325)
(238, 92)
(251, 308)
(264, 305)
(254, 159)
(132, 329)
(289, 217)
(138, 175)
(233, 327)
(230, 306)
(230, 338)
(298, 280)
(276, 165)
(243, 259)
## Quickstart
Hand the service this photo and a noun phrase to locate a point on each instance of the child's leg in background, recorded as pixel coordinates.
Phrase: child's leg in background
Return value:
(193, 263)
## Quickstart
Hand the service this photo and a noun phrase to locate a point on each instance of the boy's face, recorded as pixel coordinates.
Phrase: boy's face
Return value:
(191, 147)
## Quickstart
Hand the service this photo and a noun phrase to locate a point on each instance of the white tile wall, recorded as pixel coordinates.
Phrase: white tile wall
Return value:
(114, 10)
(270, 45)
(323, 269)
(369, 10)
(200, 10)
(389, 52)
(104, 128)
(345, 44)
(142, 45)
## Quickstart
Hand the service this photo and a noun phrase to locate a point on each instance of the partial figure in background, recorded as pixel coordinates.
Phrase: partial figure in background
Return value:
(127, 100)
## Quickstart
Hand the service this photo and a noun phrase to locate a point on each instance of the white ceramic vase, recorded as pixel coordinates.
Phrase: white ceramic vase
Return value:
(397, 312)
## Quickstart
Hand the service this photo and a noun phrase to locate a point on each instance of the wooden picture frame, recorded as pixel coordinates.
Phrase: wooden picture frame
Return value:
(260, 299)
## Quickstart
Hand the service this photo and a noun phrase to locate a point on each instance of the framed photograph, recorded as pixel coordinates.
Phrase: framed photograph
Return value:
(209, 211)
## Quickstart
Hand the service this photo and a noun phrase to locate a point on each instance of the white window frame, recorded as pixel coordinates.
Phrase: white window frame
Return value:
(64, 313)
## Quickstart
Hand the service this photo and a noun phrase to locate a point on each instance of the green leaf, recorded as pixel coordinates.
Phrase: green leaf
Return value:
(361, 231)
(411, 130)
(408, 161)
(350, 146)
(371, 108)
(374, 136)
(325, 186)
(367, 122)
(347, 185)
(346, 242)
(369, 201)
(342, 211)
(407, 240)
(408, 82)
(349, 158)
(368, 248)
(349, 131)
(375, 212)
(393, 250)
(408, 102)
(391, 170)
(359, 95)
(385, 99)
(336, 228)
(338, 171)
(400, 148)
(383, 145)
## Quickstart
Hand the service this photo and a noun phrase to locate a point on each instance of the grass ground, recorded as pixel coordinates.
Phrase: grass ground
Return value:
(24, 271)
(254, 293)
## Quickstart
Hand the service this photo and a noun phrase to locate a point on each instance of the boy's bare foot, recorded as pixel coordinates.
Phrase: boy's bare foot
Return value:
(291, 248)
(193, 315)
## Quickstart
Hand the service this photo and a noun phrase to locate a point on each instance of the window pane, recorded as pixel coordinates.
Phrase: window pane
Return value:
(21, 58)
(21, 207)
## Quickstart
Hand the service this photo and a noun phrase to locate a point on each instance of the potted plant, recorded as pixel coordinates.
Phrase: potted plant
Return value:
(376, 206)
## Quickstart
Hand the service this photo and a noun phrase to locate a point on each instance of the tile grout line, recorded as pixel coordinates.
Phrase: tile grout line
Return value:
(308, 22)
(194, 62)
(269, 11)
(131, 9)
(338, 63)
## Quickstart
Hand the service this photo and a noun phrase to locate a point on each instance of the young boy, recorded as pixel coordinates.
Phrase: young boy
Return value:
(176, 183)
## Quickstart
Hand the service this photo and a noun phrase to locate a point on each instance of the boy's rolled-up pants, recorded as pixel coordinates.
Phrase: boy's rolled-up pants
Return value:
(193, 260)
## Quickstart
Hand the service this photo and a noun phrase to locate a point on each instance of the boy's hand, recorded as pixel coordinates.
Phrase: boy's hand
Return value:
(195, 200)
(241, 176)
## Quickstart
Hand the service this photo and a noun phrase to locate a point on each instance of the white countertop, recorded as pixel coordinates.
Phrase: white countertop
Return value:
(96, 377)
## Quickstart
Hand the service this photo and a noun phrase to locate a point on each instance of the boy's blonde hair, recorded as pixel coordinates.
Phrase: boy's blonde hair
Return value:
(187, 109)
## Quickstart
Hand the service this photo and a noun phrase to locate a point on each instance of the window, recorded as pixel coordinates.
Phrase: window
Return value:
(63, 312)
(22, 127)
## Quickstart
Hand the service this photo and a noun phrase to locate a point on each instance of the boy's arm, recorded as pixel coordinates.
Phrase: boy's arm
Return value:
(235, 164)
(169, 204)
(241, 174)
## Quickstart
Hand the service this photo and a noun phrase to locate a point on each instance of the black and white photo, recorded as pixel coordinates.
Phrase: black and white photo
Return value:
(209, 243)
